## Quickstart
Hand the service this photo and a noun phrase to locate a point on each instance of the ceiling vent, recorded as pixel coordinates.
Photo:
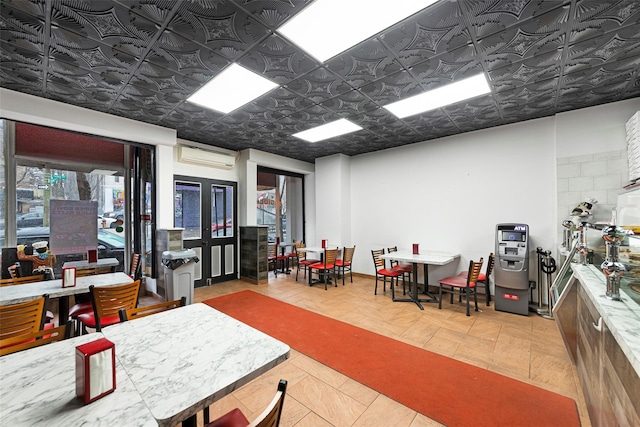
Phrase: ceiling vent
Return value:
(198, 156)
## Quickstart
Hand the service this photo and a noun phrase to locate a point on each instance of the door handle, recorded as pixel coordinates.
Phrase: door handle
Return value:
(598, 326)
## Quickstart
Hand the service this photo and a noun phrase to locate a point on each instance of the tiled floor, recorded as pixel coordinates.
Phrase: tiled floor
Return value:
(527, 348)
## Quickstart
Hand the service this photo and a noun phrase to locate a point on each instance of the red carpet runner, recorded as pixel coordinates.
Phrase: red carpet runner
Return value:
(446, 390)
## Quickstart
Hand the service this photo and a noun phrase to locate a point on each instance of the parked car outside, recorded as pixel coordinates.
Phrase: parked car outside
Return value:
(117, 214)
(30, 219)
(110, 245)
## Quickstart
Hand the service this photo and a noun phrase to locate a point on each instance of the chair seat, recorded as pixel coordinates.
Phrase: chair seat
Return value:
(340, 263)
(321, 266)
(481, 277)
(456, 281)
(89, 320)
(233, 418)
(405, 268)
(389, 273)
(80, 308)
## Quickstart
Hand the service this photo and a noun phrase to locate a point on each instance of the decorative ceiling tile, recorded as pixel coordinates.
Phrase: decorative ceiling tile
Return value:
(141, 59)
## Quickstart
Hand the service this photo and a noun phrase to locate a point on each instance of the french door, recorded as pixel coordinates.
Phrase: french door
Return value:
(207, 210)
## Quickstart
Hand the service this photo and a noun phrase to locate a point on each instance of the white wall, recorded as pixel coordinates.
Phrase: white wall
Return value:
(449, 194)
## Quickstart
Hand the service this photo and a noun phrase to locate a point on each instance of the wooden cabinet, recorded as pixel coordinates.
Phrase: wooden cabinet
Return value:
(610, 383)
(253, 254)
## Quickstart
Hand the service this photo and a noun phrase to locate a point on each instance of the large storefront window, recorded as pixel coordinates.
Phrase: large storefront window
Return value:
(279, 205)
(54, 165)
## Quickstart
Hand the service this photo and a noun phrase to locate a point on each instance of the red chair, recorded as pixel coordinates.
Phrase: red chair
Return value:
(275, 259)
(107, 301)
(270, 417)
(484, 277)
(382, 271)
(343, 265)
(405, 269)
(325, 268)
(304, 261)
(462, 285)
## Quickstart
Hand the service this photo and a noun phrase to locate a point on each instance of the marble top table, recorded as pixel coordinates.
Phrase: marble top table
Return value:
(425, 258)
(86, 265)
(183, 360)
(28, 291)
(38, 387)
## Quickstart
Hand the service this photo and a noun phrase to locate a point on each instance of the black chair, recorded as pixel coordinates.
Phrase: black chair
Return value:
(462, 285)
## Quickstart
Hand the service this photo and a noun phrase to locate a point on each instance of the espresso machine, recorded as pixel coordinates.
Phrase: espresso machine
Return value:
(512, 268)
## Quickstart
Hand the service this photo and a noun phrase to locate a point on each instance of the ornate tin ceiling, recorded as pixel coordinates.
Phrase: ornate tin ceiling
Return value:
(141, 59)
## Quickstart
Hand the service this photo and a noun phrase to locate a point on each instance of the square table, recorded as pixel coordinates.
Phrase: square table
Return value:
(28, 291)
(425, 258)
(38, 387)
(183, 360)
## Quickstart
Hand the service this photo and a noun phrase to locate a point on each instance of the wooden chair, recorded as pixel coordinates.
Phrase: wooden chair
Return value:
(21, 280)
(92, 271)
(83, 301)
(304, 261)
(138, 312)
(135, 267)
(405, 269)
(343, 265)
(384, 272)
(325, 267)
(273, 258)
(461, 285)
(270, 417)
(484, 277)
(107, 301)
(23, 318)
(35, 339)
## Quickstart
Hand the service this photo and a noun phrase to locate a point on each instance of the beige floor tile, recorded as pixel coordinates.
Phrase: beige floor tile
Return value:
(385, 412)
(329, 403)
(526, 348)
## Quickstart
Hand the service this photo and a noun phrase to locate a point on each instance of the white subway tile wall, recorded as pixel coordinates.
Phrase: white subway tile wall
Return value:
(601, 176)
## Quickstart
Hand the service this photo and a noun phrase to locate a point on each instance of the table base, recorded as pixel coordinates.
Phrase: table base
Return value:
(413, 292)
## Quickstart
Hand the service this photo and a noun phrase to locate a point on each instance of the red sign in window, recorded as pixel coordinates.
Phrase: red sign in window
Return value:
(511, 297)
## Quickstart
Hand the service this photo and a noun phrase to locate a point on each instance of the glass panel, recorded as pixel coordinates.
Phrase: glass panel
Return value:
(187, 209)
(37, 187)
(266, 214)
(221, 211)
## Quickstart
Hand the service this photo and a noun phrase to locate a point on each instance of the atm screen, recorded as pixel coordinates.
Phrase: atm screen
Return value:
(512, 236)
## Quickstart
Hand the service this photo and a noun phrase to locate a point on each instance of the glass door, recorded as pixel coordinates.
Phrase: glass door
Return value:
(206, 209)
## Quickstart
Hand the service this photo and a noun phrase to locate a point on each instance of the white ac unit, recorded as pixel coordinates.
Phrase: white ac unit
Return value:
(198, 156)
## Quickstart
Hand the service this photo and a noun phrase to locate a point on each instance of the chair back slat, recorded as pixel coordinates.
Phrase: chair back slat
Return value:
(147, 310)
(270, 417)
(22, 318)
(490, 264)
(21, 280)
(330, 256)
(474, 271)
(34, 339)
(377, 261)
(347, 254)
(108, 300)
(134, 268)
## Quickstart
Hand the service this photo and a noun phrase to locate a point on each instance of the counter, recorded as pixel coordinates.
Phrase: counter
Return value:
(603, 337)
(621, 317)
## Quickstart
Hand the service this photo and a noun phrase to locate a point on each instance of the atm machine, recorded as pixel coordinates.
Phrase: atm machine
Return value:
(511, 270)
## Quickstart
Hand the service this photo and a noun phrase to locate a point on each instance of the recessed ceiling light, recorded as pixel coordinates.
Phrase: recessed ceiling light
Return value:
(232, 88)
(328, 27)
(444, 95)
(339, 127)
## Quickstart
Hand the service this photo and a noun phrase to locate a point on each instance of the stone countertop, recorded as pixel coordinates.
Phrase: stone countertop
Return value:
(621, 317)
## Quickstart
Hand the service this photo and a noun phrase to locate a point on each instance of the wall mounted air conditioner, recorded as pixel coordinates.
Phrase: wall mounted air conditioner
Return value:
(198, 156)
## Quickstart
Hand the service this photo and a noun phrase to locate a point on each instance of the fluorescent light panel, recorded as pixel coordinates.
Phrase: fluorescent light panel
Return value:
(339, 127)
(232, 88)
(436, 98)
(328, 27)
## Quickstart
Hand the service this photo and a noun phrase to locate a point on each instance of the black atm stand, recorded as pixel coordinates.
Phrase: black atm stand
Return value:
(512, 268)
